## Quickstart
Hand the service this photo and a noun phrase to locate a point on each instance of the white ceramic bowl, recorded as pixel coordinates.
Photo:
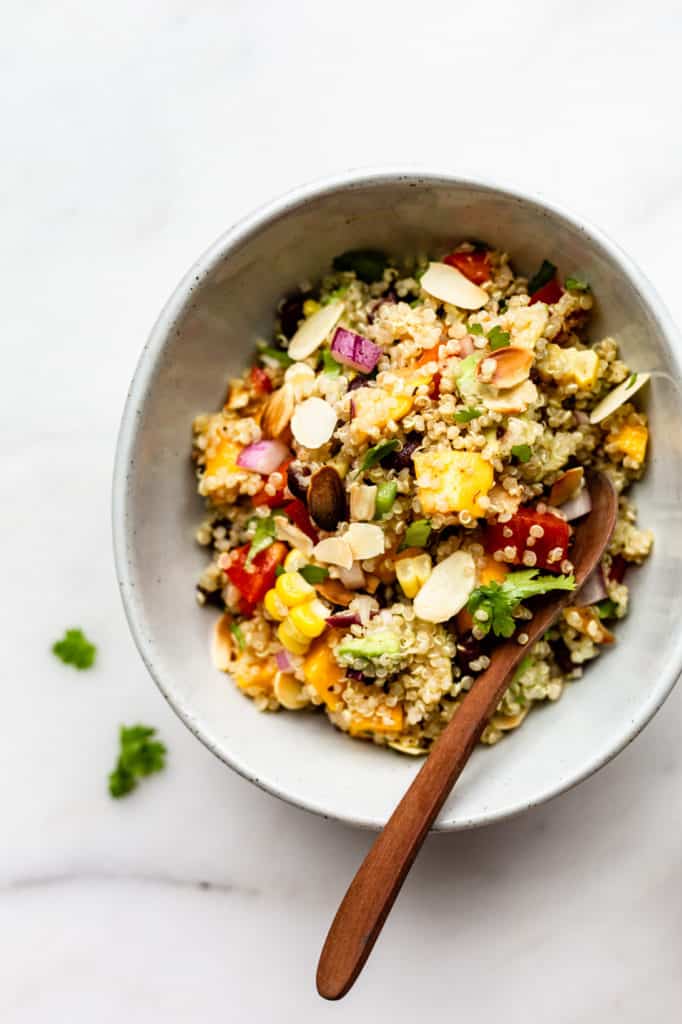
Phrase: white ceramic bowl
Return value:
(207, 333)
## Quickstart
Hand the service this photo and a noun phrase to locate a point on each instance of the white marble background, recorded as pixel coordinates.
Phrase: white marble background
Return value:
(132, 134)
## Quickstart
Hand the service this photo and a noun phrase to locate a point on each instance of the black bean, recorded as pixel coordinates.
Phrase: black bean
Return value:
(290, 312)
(403, 459)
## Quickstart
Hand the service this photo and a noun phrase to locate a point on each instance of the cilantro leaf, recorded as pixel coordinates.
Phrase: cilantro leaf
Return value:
(263, 537)
(576, 284)
(367, 264)
(541, 277)
(475, 329)
(139, 755)
(238, 634)
(498, 338)
(607, 608)
(314, 573)
(378, 452)
(500, 600)
(75, 649)
(522, 452)
(467, 415)
(335, 296)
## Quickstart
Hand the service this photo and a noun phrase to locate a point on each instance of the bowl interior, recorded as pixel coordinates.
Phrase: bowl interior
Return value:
(207, 334)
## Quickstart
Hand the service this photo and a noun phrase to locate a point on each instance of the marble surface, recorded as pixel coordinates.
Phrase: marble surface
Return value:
(133, 134)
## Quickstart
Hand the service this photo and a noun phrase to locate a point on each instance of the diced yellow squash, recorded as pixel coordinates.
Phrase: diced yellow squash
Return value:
(223, 457)
(631, 440)
(452, 481)
(384, 720)
(322, 672)
(249, 674)
(375, 407)
(571, 366)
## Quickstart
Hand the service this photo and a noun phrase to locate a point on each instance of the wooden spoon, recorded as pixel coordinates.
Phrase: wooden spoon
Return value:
(375, 887)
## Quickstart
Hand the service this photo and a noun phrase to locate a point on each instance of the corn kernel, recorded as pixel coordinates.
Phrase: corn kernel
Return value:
(293, 589)
(295, 560)
(290, 637)
(310, 307)
(309, 618)
(275, 606)
(413, 573)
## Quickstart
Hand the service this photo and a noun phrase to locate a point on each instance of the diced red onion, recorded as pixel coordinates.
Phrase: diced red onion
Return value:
(343, 620)
(263, 456)
(593, 589)
(466, 346)
(580, 417)
(283, 661)
(353, 350)
(577, 506)
(355, 673)
(353, 578)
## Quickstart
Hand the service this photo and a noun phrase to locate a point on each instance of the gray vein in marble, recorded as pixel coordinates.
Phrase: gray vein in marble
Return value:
(33, 882)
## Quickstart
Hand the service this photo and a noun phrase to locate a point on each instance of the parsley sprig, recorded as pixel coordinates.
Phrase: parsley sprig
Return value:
(75, 649)
(500, 600)
(139, 755)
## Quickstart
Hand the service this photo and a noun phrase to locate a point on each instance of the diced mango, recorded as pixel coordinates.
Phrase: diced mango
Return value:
(631, 440)
(322, 671)
(249, 674)
(452, 481)
(224, 457)
(375, 407)
(384, 720)
(571, 366)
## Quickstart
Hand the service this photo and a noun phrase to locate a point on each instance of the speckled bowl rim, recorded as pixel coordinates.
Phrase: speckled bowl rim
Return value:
(145, 372)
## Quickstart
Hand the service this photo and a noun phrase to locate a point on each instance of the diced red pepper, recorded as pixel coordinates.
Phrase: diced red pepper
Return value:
(260, 380)
(279, 497)
(516, 532)
(549, 293)
(254, 581)
(430, 355)
(474, 265)
(617, 568)
(298, 514)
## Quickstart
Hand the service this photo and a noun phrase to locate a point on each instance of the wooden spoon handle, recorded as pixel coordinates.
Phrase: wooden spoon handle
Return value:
(375, 887)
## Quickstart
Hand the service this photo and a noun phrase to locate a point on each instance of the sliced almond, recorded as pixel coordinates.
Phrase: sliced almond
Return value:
(449, 285)
(289, 692)
(314, 331)
(326, 498)
(353, 578)
(222, 647)
(292, 535)
(335, 592)
(447, 589)
(567, 486)
(506, 722)
(407, 747)
(313, 422)
(277, 412)
(512, 366)
(623, 393)
(334, 551)
(365, 540)
(514, 400)
(363, 499)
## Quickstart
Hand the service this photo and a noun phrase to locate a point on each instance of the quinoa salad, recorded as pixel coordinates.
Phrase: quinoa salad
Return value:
(396, 477)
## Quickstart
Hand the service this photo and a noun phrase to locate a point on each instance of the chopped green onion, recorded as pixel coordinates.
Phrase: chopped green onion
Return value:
(385, 496)
(522, 452)
(498, 338)
(417, 534)
(378, 452)
(467, 415)
(329, 365)
(269, 352)
(280, 570)
(577, 284)
(475, 329)
(541, 277)
(334, 296)
(632, 380)
(238, 634)
(607, 609)
(263, 537)
(314, 573)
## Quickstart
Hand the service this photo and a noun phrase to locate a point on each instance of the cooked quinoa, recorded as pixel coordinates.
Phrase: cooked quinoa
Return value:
(394, 478)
